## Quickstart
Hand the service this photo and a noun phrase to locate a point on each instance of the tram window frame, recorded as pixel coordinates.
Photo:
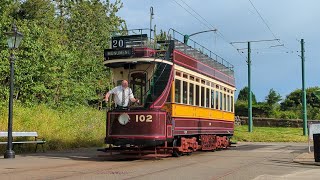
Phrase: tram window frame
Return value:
(197, 99)
(139, 84)
(185, 76)
(212, 99)
(217, 100)
(232, 105)
(225, 102)
(177, 96)
(207, 102)
(221, 101)
(202, 98)
(191, 94)
(228, 103)
(184, 92)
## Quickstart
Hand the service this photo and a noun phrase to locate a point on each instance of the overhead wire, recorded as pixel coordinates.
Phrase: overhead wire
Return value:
(207, 24)
(192, 14)
(267, 25)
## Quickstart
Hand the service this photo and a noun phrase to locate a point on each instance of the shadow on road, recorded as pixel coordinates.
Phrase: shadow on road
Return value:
(87, 154)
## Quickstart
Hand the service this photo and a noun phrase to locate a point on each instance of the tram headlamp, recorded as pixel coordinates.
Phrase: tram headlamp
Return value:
(123, 118)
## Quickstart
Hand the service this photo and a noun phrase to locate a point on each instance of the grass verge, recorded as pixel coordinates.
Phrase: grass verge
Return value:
(62, 129)
(85, 127)
(269, 134)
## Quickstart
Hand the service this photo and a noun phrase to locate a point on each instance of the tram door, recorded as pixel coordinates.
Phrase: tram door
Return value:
(138, 84)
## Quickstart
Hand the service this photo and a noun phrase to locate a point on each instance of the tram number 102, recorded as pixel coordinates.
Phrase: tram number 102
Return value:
(143, 118)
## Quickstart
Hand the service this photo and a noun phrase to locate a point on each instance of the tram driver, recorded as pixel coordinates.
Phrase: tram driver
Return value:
(122, 95)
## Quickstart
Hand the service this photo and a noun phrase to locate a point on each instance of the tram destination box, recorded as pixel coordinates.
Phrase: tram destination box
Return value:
(117, 53)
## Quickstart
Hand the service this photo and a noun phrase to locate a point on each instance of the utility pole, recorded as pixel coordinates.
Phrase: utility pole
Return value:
(304, 96)
(249, 90)
(250, 121)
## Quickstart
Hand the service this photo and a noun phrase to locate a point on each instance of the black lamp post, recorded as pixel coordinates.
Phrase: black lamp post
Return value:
(14, 38)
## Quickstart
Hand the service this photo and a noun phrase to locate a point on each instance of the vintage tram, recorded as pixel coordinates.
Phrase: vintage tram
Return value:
(186, 94)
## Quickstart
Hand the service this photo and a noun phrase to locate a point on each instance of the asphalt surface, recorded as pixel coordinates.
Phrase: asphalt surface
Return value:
(245, 161)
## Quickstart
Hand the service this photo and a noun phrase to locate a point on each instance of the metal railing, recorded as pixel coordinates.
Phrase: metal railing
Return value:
(201, 53)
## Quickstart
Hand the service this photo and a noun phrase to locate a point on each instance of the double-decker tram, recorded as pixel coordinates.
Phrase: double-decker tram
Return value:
(186, 96)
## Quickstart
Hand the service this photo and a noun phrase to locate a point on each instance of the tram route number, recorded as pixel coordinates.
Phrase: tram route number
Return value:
(143, 118)
(118, 43)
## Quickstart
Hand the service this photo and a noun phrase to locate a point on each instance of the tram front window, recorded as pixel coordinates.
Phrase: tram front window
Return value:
(138, 84)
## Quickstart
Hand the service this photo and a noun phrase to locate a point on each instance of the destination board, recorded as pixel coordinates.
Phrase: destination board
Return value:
(118, 53)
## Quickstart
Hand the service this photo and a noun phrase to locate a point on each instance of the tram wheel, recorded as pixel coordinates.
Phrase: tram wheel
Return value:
(175, 152)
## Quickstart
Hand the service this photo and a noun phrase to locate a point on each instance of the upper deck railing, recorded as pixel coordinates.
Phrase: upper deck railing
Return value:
(201, 53)
(138, 40)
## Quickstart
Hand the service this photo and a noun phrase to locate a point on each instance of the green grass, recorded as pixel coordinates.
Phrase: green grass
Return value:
(62, 129)
(85, 127)
(269, 134)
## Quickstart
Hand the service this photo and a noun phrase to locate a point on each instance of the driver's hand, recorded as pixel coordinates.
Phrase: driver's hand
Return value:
(138, 101)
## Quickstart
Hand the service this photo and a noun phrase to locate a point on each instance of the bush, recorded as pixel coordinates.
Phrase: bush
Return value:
(258, 109)
(286, 115)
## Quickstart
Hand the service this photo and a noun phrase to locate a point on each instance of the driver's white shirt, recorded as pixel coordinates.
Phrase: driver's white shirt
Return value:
(117, 91)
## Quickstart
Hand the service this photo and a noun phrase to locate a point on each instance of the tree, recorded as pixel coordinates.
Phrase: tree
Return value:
(243, 95)
(273, 97)
(162, 36)
(59, 61)
(294, 99)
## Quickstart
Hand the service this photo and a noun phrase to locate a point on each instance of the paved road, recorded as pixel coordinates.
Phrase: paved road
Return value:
(246, 161)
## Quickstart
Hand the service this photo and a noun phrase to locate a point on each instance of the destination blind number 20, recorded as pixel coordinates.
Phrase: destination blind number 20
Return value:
(143, 118)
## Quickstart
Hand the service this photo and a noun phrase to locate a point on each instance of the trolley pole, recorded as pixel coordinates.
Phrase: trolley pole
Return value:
(151, 17)
(249, 90)
(304, 96)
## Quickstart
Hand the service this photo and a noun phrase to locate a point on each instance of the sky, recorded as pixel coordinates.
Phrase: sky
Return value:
(272, 67)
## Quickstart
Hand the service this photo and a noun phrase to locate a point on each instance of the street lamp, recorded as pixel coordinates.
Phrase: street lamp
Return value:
(14, 38)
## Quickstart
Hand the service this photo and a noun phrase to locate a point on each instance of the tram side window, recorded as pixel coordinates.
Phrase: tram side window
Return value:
(184, 92)
(202, 96)
(212, 99)
(191, 94)
(228, 103)
(207, 97)
(217, 100)
(221, 101)
(231, 103)
(197, 95)
(177, 91)
(224, 102)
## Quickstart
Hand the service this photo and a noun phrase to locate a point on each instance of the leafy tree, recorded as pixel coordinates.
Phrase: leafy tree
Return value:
(59, 61)
(273, 97)
(294, 99)
(162, 36)
(243, 95)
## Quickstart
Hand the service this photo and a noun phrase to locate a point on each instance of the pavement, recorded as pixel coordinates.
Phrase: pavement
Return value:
(258, 161)
(306, 158)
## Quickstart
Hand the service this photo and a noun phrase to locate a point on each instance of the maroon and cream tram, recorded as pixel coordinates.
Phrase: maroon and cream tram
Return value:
(186, 94)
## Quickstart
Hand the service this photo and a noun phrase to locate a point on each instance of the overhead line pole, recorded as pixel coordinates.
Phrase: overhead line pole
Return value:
(250, 120)
(304, 96)
(249, 90)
